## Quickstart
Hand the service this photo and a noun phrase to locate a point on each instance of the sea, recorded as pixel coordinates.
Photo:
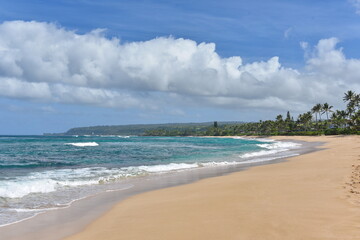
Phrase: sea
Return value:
(43, 173)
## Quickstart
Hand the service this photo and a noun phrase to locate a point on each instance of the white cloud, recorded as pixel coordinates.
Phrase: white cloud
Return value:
(356, 4)
(45, 62)
(304, 45)
(288, 32)
(16, 88)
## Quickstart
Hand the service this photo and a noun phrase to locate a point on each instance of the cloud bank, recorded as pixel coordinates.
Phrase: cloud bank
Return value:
(44, 62)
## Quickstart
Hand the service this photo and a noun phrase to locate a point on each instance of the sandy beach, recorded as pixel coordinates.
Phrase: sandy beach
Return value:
(312, 196)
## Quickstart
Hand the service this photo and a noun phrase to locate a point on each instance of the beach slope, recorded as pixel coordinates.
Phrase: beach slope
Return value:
(312, 196)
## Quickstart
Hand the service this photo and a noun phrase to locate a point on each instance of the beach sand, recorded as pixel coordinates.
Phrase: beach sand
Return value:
(312, 196)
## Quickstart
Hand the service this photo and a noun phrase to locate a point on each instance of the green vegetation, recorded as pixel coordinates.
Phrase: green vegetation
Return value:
(170, 129)
(321, 119)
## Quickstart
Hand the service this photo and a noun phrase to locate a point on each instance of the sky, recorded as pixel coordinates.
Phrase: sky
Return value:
(72, 63)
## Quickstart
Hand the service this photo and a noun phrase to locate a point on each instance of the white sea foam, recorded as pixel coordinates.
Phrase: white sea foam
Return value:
(46, 182)
(83, 144)
(21, 210)
(28, 213)
(53, 180)
(271, 149)
(17, 189)
(25, 185)
(280, 145)
(168, 167)
(261, 153)
(223, 163)
(266, 159)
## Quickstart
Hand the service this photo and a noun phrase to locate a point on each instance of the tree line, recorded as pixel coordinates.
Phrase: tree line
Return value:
(320, 119)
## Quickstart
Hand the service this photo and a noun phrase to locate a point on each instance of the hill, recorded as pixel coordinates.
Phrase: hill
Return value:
(143, 129)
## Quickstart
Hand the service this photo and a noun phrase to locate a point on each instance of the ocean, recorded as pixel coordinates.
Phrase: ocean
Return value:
(42, 173)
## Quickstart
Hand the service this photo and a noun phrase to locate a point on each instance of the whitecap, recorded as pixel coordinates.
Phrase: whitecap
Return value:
(83, 144)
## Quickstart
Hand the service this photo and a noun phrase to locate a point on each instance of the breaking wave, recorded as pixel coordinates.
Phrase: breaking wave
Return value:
(83, 144)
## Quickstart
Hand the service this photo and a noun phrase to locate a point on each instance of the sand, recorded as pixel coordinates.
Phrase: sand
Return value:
(312, 196)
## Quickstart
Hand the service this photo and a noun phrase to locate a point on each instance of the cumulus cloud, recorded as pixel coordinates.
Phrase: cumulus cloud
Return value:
(44, 62)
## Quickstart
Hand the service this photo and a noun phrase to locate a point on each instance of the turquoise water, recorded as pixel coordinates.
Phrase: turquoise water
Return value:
(57, 152)
(39, 173)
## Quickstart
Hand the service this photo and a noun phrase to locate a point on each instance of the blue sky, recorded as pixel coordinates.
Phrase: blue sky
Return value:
(256, 31)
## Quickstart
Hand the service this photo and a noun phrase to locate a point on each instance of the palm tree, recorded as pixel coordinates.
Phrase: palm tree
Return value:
(355, 120)
(349, 95)
(353, 104)
(326, 109)
(357, 101)
(339, 118)
(316, 110)
(305, 119)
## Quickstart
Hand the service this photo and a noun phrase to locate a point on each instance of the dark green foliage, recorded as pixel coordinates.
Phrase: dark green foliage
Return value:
(169, 129)
(340, 122)
(139, 129)
(341, 131)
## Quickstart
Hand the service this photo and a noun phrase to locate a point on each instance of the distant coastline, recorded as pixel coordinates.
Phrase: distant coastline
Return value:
(337, 122)
(140, 129)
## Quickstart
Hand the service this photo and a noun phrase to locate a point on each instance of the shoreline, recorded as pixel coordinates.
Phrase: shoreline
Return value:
(75, 222)
(72, 219)
(311, 196)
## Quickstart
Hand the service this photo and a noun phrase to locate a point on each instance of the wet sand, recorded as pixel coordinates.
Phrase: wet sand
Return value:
(311, 196)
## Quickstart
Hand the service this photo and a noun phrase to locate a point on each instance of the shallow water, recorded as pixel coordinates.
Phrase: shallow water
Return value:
(39, 173)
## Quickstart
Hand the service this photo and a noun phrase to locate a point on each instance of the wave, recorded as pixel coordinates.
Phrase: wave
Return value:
(280, 145)
(261, 153)
(272, 148)
(20, 189)
(20, 212)
(53, 180)
(83, 144)
(57, 179)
